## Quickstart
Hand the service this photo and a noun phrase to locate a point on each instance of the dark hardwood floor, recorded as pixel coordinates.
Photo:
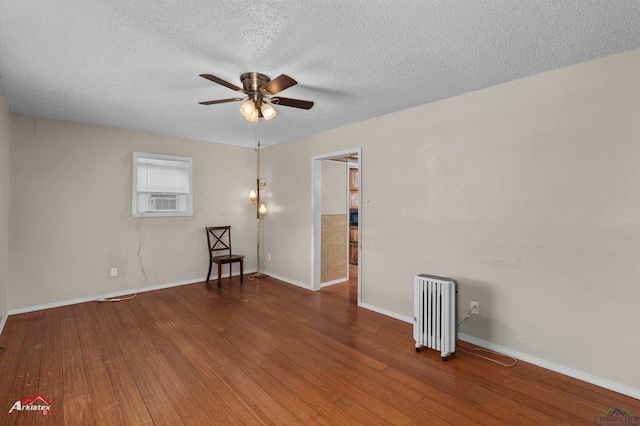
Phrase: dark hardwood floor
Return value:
(265, 353)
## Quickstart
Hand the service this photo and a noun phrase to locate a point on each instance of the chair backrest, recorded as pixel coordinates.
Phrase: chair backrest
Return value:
(219, 239)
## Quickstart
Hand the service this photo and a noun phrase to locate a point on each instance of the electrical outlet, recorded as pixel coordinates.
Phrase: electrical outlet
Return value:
(114, 272)
(269, 257)
(475, 308)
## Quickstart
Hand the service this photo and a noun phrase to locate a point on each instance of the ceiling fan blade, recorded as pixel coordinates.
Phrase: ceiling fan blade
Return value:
(296, 103)
(220, 101)
(278, 84)
(222, 82)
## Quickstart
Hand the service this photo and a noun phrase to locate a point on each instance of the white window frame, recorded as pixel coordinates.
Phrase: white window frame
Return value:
(134, 187)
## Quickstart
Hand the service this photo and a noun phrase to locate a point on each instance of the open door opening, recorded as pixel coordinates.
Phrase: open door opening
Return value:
(347, 218)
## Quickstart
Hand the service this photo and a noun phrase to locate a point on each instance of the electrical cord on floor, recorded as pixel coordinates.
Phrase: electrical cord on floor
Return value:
(144, 273)
(471, 351)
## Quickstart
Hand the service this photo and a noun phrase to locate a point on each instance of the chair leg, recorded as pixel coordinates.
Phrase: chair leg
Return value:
(209, 273)
(230, 269)
(219, 274)
(241, 270)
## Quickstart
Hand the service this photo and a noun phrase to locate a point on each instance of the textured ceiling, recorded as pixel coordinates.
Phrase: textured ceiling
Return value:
(135, 64)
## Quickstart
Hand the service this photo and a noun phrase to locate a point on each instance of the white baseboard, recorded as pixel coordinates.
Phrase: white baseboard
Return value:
(334, 282)
(607, 384)
(387, 313)
(104, 296)
(287, 280)
(114, 294)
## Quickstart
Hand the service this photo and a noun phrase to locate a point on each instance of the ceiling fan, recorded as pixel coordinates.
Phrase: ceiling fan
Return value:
(259, 89)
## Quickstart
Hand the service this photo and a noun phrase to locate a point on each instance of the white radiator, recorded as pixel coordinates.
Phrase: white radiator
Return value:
(434, 313)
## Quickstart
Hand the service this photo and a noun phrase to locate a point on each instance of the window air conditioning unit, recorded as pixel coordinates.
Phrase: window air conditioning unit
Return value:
(163, 202)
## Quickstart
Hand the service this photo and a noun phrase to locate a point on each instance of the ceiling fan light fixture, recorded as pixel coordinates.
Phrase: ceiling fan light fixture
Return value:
(268, 112)
(258, 89)
(248, 108)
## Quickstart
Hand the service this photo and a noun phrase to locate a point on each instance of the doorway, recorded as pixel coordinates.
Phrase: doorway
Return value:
(355, 156)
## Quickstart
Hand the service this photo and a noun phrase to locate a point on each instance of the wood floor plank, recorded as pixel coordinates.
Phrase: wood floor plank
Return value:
(100, 387)
(191, 412)
(158, 403)
(98, 381)
(265, 352)
(77, 411)
(103, 333)
(516, 413)
(54, 393)
(269, 384)
(136, 348)
(359, 413)
(14, 332)
(227, 393)
(8, 371)
(110, 417)
(51, 371)
(304, 384)
(75, 380)
(129, 317)
(283, 357)
(202, 391)
(132, 406)
(255, 394)
(26, 381)
(351, 379)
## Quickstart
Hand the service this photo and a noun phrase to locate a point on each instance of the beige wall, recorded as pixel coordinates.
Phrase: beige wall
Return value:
(5, 143)
(526, 193)
(71, 217)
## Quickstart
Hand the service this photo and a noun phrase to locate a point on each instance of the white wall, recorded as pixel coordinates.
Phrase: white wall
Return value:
(71, 222)
(526, 193)
(5, 143)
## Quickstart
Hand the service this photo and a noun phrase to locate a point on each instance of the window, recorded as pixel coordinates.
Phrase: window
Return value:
(162, 185)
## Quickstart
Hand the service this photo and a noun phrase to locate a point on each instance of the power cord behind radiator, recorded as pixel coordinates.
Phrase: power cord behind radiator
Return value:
(471, 351)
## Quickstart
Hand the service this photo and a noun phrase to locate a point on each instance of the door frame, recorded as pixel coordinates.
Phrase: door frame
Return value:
(316, 208)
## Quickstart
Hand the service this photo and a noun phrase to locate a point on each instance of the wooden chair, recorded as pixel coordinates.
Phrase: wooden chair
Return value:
(219, 239)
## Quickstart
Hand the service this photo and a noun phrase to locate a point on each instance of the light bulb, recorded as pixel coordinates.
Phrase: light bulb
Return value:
(253, 117)
(262, 210)
(252, 196)
(248, 108)
(268, 112)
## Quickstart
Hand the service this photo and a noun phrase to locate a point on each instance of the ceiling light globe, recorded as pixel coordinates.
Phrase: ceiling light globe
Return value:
(248, 108)
(253, 117)
(268, 112)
